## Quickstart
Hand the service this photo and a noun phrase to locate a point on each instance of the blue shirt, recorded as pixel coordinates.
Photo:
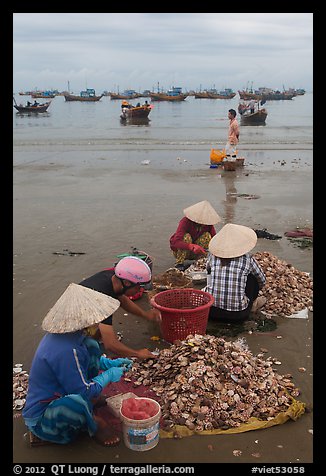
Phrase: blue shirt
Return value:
(59, 367)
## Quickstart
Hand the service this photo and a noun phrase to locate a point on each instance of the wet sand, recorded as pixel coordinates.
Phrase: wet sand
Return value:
(102, 202)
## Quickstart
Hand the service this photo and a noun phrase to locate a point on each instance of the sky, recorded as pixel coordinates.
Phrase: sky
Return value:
(118, 51)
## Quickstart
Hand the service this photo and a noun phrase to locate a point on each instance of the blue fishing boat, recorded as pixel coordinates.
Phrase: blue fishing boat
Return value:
(87, 96)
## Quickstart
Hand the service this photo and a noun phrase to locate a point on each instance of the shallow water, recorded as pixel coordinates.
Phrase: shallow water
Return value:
(194, 122)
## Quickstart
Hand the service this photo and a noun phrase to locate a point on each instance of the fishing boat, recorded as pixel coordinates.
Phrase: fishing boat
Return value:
(223, 94)
(201, 94)
(127, 94)
(43, 94)
(30, 108)
(85, 96)
(247, 95)
(134, 112)
(174, 95)
(214, 94)
(257, 118)
(278, 96)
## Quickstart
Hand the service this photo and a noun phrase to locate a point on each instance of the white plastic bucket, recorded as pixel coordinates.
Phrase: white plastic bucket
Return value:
(141, 435)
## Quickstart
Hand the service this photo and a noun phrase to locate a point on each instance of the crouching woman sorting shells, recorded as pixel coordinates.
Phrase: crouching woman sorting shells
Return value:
(64, 381)
(234, 276)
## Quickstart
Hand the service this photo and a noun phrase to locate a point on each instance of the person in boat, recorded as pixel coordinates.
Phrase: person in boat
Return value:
(65, 382)
(138, 104)
(233, 136)
(194, 232)
(121, 282)
(28, 104)
(125, 105)
(35, 103)
(242, 108)
(251, 106)
(234, 276)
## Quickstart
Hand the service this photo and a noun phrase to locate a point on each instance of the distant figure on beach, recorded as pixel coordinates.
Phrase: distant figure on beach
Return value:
(64, 383)
(121, 282)
(234, 276)
(233, 136)
(194, 232)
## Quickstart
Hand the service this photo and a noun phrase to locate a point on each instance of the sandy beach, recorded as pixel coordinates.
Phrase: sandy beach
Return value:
(101, 203)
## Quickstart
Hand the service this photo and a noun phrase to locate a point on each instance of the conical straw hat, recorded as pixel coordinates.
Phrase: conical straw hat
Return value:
(203, 213)
(77, 308)
(232, 240)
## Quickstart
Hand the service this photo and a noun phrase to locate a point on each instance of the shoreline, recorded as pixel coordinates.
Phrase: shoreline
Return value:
(115, 145)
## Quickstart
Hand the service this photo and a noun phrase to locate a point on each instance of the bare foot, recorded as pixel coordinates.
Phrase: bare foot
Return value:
(99, 402)
(106, 437)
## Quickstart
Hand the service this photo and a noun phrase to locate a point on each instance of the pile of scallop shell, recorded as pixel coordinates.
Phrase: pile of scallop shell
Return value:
(206, 383)
(19, 386)
(198, 266)
(287, 289)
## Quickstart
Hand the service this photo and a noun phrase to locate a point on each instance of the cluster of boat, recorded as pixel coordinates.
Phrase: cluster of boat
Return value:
(250, 108)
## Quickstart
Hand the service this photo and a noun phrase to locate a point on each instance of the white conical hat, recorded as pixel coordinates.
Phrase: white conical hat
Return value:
(203, 213)
(77, 308)
(232, 240)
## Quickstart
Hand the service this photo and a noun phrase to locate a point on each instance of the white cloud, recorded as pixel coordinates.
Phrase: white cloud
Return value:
(140, 49)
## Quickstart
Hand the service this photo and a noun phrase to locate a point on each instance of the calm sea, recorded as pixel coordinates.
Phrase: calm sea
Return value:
(197, 123)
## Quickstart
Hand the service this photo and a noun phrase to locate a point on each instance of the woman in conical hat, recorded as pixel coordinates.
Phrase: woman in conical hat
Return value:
(194, 232)
(64, 379)
(235, 277)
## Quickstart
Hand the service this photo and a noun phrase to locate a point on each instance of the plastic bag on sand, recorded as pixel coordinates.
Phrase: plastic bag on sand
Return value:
(217, 156)
(295, 410)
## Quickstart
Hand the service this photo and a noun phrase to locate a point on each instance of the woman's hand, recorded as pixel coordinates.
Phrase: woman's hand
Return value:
(153, 315)
(197, 249)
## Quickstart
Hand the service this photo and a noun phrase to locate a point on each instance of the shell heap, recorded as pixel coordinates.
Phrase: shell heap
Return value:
(287, 289)
(172, 278)
(206, 382)
(19, 386)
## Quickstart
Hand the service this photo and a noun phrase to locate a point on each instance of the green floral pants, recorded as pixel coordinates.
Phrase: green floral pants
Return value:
(182, 255)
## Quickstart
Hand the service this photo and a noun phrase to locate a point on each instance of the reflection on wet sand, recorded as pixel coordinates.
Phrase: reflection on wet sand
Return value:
(230, 196)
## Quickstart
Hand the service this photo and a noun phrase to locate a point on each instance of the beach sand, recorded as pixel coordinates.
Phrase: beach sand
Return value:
(103, 202)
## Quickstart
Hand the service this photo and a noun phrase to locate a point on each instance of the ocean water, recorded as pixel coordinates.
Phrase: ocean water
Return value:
(193, 123)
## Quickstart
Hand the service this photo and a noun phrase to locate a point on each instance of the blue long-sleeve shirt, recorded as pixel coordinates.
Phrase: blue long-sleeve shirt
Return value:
(59, 368)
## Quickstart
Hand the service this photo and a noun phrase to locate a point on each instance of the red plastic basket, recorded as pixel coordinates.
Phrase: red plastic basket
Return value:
(184, 311)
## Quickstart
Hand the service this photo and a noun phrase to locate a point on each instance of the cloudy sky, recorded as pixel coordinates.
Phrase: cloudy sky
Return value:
(117, 51)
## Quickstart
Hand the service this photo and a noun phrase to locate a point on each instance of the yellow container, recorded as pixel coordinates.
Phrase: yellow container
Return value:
(217, 156)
